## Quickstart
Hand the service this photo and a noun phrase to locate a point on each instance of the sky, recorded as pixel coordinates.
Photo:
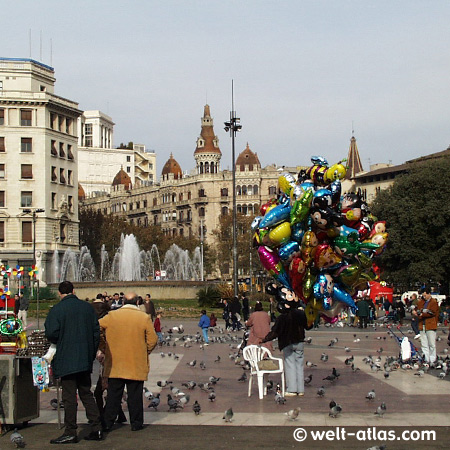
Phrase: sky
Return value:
(305, 73)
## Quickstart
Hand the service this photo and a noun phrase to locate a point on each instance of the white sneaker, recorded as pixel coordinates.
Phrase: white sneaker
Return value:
(417, 336)
(290, 394)
(205, 344)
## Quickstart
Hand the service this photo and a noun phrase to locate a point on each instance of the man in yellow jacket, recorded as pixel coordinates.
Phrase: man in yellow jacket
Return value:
(127, 338)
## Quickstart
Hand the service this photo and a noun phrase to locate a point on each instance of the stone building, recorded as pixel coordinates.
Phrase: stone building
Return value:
(38, 166)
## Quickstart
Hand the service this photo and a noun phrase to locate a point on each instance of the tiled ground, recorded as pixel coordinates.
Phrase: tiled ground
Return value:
(403, 392)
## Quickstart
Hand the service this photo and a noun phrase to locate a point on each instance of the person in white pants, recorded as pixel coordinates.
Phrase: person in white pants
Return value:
(23, 310)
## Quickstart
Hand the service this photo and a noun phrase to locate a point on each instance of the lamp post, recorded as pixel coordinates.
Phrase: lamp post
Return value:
(201, 250)
(34, 213)
(233, 127)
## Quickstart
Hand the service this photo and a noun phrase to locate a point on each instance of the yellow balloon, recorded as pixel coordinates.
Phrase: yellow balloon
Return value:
(21, 268)
(280, 234)
(286, 182)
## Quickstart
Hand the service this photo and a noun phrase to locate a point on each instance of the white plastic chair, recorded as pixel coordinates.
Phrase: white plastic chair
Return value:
(254, 354)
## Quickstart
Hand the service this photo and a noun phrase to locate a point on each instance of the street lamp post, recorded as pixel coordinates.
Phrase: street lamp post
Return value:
(34, 213)
(201, 250)
(233, 127)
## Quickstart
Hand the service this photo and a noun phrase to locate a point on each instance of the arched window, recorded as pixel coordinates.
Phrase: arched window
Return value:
(201, 212)
(272, 190)
(224, 210)
(239, 209)
(255, 189)
(249, 190)
(206, 167)
(180, 197)
(244, 190)
(201, 167)
(244, 210)
(189, 195)
(238, 190)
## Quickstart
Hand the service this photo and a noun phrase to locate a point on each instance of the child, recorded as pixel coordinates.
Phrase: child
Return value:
(157, 326)
(212, 320)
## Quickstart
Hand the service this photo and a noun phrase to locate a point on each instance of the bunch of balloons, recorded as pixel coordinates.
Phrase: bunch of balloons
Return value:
(317, 243)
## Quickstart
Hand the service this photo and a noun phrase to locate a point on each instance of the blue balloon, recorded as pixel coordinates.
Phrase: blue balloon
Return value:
(276, 215)
(343, 296)
(287, 250)
(297, 232)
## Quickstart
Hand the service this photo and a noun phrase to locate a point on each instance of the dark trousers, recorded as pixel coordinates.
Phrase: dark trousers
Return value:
(363, 321)
(134, 401)
(70, 384)
(415, 325)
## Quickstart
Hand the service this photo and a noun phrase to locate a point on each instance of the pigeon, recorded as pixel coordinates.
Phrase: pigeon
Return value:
(17, 439)
(243, 377)
(355, 369)
(336, 373)
(330, 378)
(162, 355)
(269, 385)
(213, 380)
(324, 357)
(371, 395)
(309, 364)
(154, 403)
(347, 349)
(332, 342)
(308, 379)
(419, 373)
(441, 375)
(217, 359)
(148, 394)
(321, 391)
(190, 384)
(175, 390)
(212, 396)
(163, 384)
(196, 408)
(173, 404)
(184, 400)
(348, 361)
(308, 340)
(202, 365)
(335, 409)
(54, 403)
(293, 413)
(381, 410)
(386, 374)
(279, 399)
(192, 363)
(228, 415)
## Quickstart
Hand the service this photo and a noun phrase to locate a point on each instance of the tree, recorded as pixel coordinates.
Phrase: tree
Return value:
(417, 214)
(224, 235)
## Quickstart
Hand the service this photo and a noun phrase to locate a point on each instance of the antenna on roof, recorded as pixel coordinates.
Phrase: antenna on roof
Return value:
(353, 129)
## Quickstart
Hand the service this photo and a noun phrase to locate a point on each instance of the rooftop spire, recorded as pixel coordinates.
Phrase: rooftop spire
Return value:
(353, 160)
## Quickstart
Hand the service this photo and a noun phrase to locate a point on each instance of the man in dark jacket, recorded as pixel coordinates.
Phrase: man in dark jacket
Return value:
(235, 312)
(289, 328)
(245, 308)
(363, 312)
(73, 326)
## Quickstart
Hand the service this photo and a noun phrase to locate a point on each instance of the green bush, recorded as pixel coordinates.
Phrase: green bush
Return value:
(45, 293)
(208, 297)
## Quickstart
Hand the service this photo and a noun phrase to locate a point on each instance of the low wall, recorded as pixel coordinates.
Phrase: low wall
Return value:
(159, 290)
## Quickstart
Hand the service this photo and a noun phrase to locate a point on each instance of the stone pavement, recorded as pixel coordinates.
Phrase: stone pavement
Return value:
(263, 423)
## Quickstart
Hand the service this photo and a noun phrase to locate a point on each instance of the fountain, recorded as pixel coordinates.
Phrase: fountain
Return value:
(129, 263)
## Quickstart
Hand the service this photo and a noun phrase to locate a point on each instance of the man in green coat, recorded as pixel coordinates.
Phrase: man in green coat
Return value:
(73, 326)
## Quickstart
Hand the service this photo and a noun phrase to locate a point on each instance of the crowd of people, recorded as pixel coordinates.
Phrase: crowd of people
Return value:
(106, 328)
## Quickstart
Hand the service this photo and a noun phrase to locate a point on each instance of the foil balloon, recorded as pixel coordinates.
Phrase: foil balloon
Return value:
(272, 263)
(337, 308)
(326, 258)
(297, 232)
(308, 247)
(297, 269)
(379, 239)
(335, 172)
(323, 289)
(288, 251)
(349, 246)
(276, 215)
(300, 207)
(255, 223)
(341, 295)
(322, 198)
(330, 320)
(378, 227)
(308, 282)
(266, 207)
(335, 188)
(286, 182)
(280, 234)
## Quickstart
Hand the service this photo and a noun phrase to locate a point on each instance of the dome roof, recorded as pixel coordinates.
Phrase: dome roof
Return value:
(249, 158)
(122, 178)
(81, 193)
(172, 166)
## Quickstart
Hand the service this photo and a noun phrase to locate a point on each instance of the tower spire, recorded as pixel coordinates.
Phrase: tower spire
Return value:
(353, 160)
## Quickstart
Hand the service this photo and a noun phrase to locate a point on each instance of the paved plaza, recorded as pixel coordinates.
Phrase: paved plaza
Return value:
(412, 401)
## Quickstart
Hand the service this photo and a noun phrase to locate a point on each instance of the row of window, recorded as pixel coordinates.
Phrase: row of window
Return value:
(62, 176)
(62, 150)
(26, 145)
(26, 171)
(247, 190)
(61, 123)
(69, 202)
(26, 199)
(27, 232)
(26, 116)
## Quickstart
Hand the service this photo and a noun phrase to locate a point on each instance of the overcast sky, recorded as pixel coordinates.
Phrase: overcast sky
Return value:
(303, 71)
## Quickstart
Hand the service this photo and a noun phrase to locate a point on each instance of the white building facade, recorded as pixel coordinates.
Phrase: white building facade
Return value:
(38, 166)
